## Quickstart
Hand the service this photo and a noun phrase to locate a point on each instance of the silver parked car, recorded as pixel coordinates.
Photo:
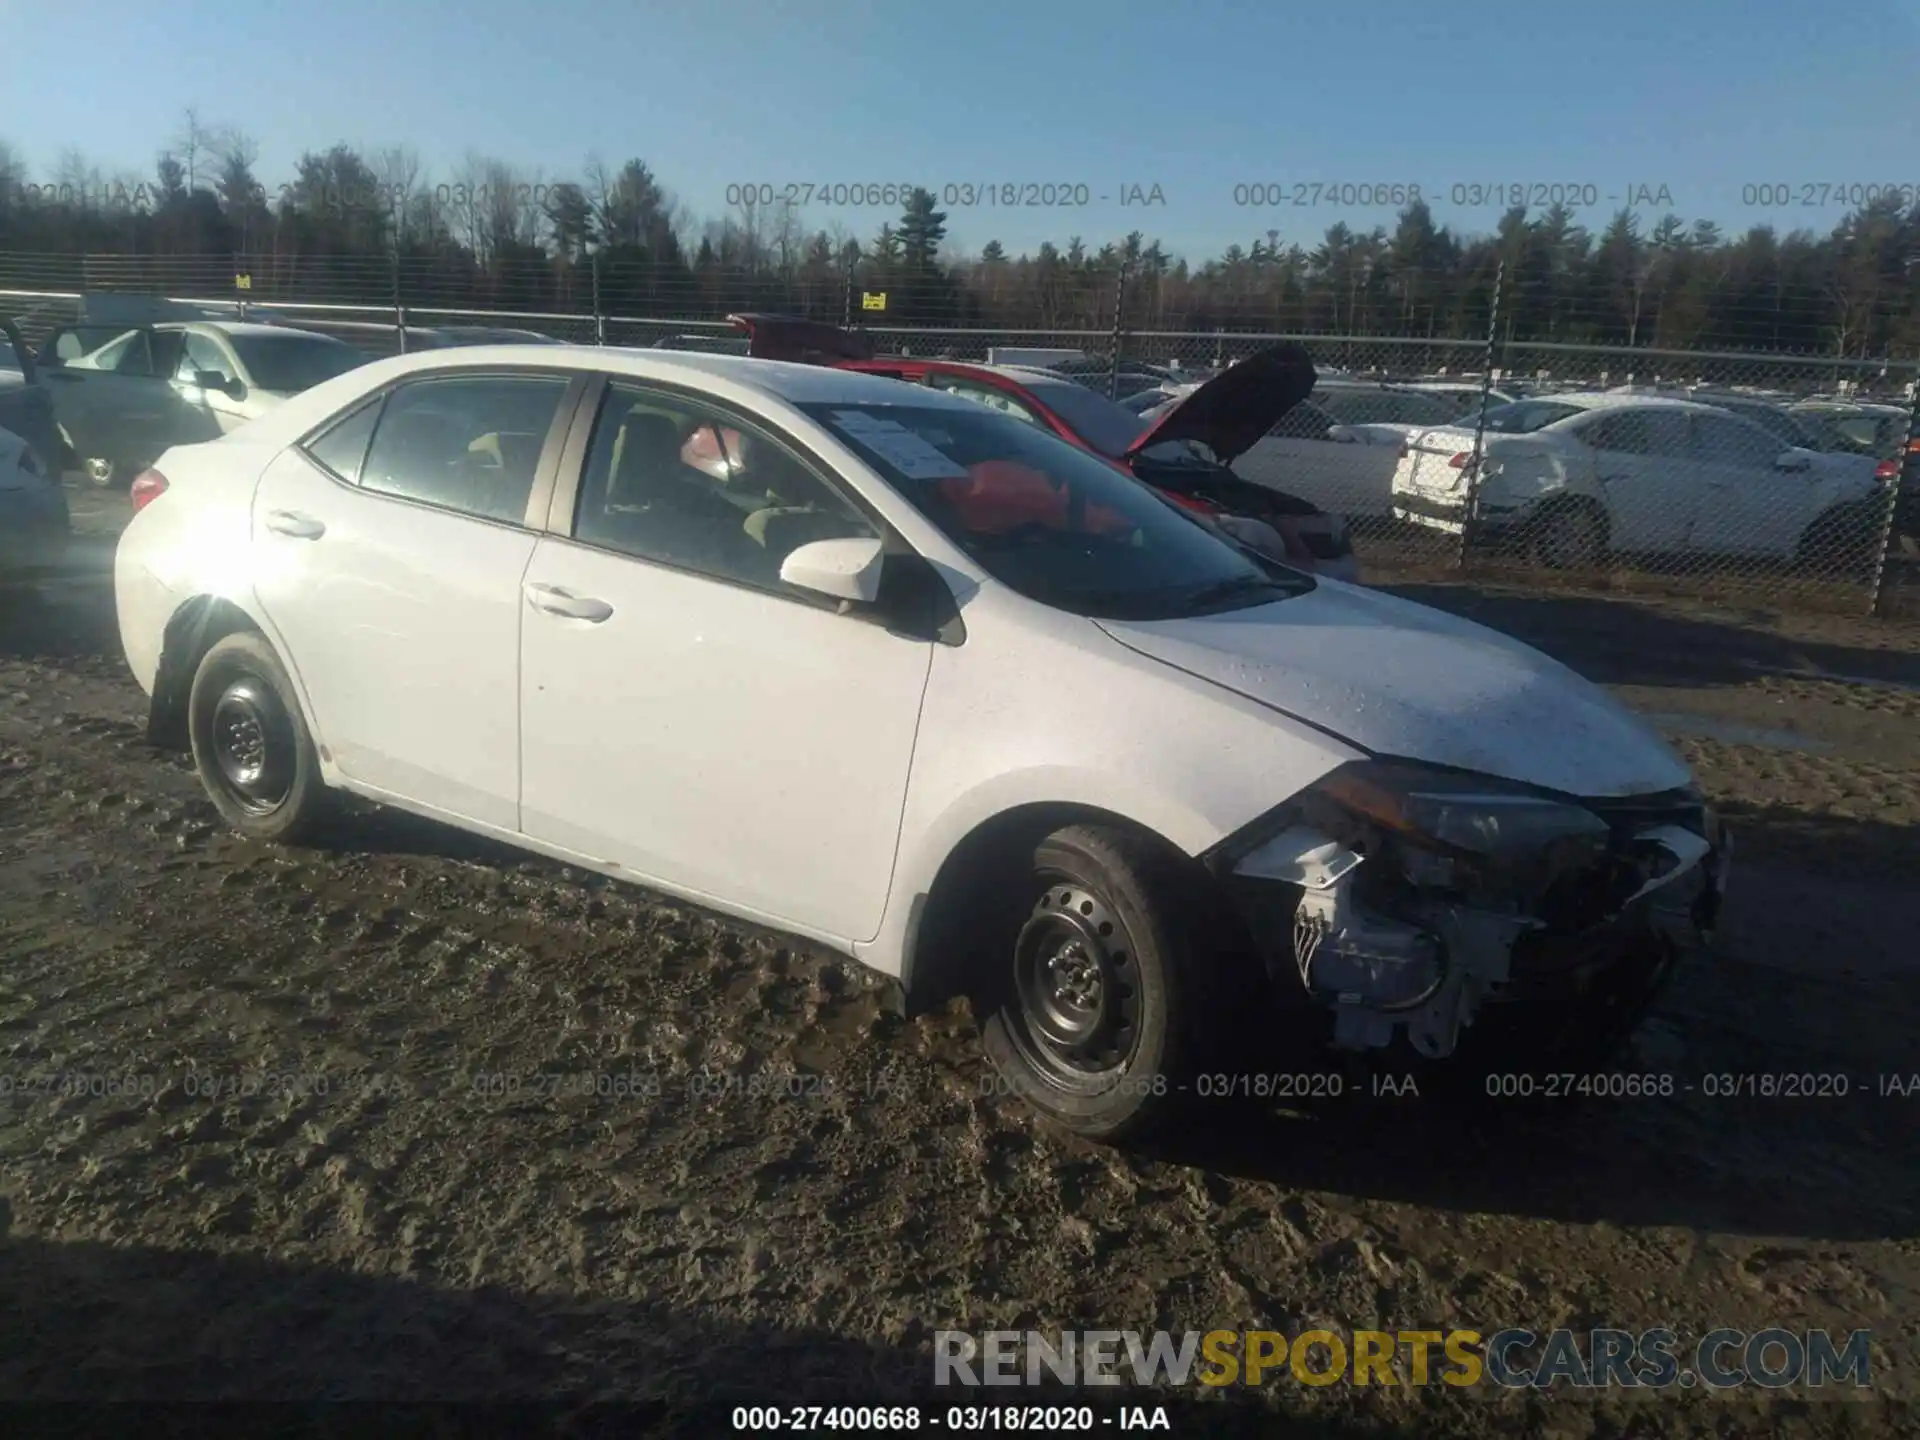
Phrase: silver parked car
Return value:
(123, 395)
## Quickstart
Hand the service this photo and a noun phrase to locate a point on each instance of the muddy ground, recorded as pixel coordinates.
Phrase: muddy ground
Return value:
(198, 1222)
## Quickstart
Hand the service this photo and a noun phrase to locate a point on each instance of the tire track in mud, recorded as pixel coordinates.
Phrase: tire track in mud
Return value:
(881, 1195)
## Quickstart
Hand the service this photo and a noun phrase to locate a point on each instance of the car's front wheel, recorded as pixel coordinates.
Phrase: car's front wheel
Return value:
(251, 746)
(1098, 1004)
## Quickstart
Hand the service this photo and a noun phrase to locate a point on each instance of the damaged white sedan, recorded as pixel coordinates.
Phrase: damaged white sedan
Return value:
(923, 684)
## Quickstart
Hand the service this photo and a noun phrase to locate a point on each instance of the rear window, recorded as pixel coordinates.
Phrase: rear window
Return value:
(1522, 417)
(1107, 426)
(292, 363)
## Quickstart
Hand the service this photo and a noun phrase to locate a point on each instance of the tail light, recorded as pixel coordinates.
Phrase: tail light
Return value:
(1887, 470)
(1461, 461)
(148, 486)
(1402, 450)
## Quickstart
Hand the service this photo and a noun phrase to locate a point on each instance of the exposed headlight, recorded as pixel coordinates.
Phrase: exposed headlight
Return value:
(1438, 830)
(1468, 814)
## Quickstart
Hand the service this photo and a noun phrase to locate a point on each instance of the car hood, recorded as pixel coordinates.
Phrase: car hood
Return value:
(1399, 679)
(1230, 412)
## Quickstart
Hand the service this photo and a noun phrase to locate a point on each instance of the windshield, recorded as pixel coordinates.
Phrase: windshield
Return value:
(292, 363)
(1051, 521)
(1108, 427)
(1522, 417)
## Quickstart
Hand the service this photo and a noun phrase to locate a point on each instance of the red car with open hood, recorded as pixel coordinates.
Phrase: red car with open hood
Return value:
(1186, 453)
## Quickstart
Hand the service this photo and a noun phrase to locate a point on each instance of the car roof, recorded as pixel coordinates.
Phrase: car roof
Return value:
(1855, 407)
(782, 380)
(1607, 400)
(239, 327)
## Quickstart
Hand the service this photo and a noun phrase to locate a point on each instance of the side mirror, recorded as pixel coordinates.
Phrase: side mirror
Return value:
(839, 569)
(1793, 460)
(214, 380)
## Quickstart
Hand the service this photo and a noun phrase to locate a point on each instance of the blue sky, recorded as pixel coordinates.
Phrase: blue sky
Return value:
(1704, 97)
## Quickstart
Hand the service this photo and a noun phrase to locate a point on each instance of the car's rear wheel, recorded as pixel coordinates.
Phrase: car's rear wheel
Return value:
(1841, 540)
(1098, 1002)
(250, 745)
(1570, 536)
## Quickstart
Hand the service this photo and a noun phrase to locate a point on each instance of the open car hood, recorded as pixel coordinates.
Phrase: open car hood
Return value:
(1239, 405)
(806, 342)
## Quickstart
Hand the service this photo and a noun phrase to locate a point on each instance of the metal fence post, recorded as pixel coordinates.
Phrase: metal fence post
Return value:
(1906, 471)
(1480, 420)
(399, 309)
(1119, 322)
(599, 316)
(846, 303)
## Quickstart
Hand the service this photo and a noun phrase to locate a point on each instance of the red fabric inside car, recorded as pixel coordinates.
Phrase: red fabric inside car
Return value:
(996, 497)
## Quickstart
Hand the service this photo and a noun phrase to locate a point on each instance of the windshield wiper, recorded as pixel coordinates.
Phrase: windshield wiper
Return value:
(1239, 585)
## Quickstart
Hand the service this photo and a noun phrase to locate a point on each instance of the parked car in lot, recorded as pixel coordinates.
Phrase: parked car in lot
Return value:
(1578, 475)
(1462, 395)
(925, 684)
(1858, 428)
(1098, 375)
(703, 344)
(124, 395)
(34, 522)
(1338, 448)
(443, 337)
(1861, 428)
(1771, 413)
(1159, 451)
(26, 405)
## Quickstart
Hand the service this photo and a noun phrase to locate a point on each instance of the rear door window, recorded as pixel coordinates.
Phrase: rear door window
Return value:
(470, 444)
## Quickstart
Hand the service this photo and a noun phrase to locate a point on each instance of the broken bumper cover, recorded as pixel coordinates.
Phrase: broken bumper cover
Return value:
(1405, 901)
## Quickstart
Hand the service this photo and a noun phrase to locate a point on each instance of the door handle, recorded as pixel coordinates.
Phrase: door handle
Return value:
(554, 601)
(291, 522)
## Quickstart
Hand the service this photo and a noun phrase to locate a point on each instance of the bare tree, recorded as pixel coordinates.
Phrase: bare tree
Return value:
(398, 171)
(196, 144)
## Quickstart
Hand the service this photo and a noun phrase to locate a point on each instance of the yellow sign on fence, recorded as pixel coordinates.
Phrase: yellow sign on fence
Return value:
(873, 299)
(243, 282)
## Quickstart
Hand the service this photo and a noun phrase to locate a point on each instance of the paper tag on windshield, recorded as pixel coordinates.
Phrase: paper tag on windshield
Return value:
(907, 452)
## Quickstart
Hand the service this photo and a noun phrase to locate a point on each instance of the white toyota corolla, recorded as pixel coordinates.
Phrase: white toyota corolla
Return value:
(925, 685)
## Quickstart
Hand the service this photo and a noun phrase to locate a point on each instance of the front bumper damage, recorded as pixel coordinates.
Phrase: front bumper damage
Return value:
(1342, 928)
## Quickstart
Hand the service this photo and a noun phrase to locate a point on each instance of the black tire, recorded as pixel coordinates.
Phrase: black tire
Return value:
(1841, 539)
(251, 746)
(1569, 537)
(1104, 1046)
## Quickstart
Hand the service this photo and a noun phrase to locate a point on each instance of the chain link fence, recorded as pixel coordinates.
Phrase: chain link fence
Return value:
(1719, 473)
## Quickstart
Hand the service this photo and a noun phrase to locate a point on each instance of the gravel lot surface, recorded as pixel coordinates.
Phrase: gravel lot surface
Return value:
(194, 1218)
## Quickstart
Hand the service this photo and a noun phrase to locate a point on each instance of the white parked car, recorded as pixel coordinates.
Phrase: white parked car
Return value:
(1338, 449)
(124, 395)
(923, 684)
(1578, 475)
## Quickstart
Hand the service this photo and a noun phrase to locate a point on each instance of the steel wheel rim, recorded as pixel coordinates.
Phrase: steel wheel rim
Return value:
(1076, 987)
(252, 745)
